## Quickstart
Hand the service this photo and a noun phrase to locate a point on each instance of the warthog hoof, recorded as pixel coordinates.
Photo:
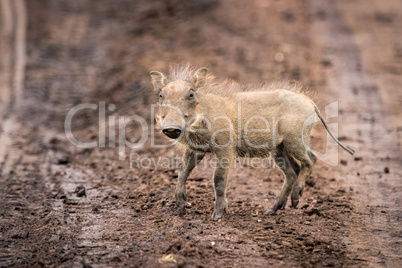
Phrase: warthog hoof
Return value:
(295, 202)
(278, 205)
(270, 211)
(183, 206)
(181, 210)
(296, 193)
(217, 217)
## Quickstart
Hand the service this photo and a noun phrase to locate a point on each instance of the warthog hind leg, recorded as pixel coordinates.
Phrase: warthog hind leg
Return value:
(307, 164)
(287, 166)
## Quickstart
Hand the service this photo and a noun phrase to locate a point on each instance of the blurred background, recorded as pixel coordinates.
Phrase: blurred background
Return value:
(67, 206)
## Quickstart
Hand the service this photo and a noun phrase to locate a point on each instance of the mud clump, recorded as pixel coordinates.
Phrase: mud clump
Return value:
(20, 235)
(80, 191)
(313, 211)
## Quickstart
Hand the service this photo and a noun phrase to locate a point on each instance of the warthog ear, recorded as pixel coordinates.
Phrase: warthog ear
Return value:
(200, 77)
(158, 80)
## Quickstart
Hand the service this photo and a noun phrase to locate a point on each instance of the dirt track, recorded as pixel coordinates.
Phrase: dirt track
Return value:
(57, 54)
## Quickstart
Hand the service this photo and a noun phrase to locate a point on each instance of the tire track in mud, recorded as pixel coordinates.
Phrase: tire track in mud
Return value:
(12, 48)
(61, 210)
(13, 42)
(365, 122)
(32, 168)
(34, 182)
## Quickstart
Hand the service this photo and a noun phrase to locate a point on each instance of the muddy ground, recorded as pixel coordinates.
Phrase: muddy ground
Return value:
(66, 206)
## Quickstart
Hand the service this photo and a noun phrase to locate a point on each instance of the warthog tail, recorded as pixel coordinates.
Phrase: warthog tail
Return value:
(346, 148)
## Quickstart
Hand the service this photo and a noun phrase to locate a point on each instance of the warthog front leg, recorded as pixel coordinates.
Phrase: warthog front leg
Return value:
(190, 160)
(220, 183)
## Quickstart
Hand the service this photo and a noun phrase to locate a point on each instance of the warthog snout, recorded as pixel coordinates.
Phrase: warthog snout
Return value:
(172, 132)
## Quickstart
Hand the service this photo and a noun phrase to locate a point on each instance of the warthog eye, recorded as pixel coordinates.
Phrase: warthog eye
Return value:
(191, 96)
(160, 96)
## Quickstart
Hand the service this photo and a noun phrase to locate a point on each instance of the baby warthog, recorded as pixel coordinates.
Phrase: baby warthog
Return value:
(226, 119)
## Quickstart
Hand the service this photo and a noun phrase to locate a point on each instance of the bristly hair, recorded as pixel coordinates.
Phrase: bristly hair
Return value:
(186, 72)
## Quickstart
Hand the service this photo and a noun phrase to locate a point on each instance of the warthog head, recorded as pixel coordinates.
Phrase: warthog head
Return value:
(178, 100)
